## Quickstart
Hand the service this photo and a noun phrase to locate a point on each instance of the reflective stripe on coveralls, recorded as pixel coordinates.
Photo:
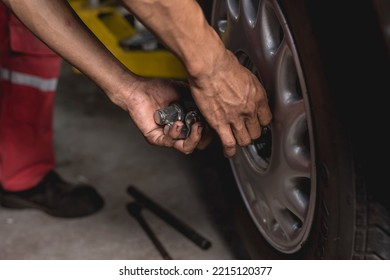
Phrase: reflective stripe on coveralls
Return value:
(18, 78)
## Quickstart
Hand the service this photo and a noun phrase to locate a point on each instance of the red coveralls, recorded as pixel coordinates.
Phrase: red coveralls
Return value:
(28, 78)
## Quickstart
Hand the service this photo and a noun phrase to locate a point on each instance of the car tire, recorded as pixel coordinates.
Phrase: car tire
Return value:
(346, 208)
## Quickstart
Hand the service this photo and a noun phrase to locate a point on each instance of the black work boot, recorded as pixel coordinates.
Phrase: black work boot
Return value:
(55, 197)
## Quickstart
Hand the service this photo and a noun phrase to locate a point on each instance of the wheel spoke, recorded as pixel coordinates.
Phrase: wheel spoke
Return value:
(233, 7)
(251, 10)
(296, 197)
(287, 89)
(297, 149)
(269, 27)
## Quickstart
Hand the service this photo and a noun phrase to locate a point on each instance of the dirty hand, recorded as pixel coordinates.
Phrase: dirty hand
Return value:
(233, 102)
(151, 95)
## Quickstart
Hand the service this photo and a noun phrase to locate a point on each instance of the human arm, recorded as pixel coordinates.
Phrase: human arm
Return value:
(231, 98)
(59, 27)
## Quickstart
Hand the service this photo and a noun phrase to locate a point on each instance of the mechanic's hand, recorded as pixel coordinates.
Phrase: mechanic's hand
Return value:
(233, 102)
(151, 95)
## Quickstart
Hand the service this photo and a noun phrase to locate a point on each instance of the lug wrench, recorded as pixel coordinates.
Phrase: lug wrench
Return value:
(134, 210)
(174, 222)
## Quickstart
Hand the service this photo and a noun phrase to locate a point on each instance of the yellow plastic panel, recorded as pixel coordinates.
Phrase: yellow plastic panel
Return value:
(110, 27)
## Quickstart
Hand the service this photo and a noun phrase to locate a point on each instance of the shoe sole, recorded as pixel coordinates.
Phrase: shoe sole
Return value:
(13, 202)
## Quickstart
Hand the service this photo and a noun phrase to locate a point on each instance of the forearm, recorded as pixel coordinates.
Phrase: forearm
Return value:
(181, 25)
(230, 97)
(55, 23)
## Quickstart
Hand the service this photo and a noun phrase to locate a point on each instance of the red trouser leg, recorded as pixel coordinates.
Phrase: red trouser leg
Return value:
(28, 78)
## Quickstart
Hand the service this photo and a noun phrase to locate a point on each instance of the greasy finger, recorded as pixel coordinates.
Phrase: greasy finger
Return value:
(188, 145)
(157, 138)
(253, 127)
(264, 114)
(228, 141)
(167, 128)
(241, 134)
(175, 130)
(194, 138)
(207, 137)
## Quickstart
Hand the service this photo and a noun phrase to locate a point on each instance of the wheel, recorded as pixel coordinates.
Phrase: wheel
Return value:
(302, 191)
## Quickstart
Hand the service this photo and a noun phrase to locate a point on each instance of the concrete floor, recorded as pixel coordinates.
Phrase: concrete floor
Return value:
(96, 143)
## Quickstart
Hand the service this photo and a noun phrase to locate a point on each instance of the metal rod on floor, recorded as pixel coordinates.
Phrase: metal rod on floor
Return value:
(135, 209)
(180, 226)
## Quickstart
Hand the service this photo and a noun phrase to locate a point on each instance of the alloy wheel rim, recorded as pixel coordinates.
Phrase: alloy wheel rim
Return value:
(276, 174)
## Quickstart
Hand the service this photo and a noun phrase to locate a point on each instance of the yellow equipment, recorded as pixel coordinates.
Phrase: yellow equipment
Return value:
(110, 27)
